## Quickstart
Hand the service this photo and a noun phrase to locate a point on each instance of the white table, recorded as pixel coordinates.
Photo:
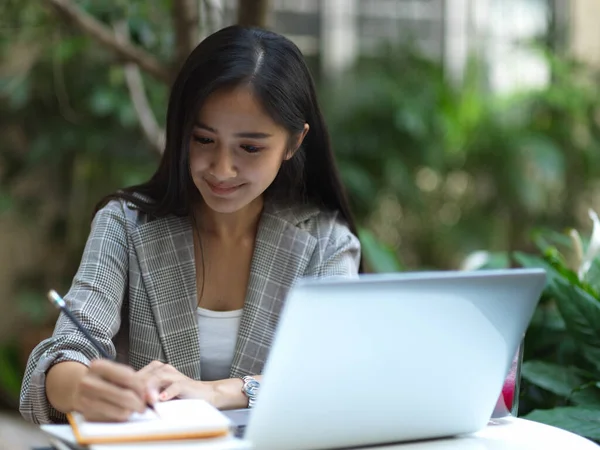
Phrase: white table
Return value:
(506, 434)
(502, 434)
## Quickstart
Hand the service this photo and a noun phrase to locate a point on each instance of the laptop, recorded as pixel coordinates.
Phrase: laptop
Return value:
(390, 358)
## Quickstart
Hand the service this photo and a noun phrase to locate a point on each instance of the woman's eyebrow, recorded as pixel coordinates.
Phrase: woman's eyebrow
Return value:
(243, 134)
(253, 135)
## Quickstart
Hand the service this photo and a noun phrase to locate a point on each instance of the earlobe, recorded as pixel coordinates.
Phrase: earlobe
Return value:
(298, 143)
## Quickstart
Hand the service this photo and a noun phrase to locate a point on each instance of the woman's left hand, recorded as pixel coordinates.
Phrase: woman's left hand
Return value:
(173, 384)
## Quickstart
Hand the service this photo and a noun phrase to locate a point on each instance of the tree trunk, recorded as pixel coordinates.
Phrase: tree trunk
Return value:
(253, 13)
(186, 22)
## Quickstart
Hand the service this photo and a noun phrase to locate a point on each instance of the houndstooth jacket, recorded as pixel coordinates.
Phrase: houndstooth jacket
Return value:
(135, 291)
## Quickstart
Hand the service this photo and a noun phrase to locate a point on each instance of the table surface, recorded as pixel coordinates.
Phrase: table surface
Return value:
(501, 434)
(506, 434)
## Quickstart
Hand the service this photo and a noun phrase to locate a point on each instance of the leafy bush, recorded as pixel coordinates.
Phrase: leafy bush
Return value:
(563, 341)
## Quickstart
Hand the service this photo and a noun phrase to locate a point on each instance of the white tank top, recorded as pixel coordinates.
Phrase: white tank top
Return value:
(217, 333)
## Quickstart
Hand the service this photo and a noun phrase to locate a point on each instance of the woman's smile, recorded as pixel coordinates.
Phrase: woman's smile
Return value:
(223, 189)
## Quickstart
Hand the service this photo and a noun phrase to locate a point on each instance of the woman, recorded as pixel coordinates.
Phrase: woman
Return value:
(183, 277)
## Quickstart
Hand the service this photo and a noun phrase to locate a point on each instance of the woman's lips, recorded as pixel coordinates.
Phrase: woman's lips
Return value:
(222, 189)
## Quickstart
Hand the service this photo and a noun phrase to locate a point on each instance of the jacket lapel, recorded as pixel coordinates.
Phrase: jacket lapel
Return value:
(281, 253)
(165, 251)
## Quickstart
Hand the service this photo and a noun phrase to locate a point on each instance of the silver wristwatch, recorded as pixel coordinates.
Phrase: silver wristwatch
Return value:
(250, 388)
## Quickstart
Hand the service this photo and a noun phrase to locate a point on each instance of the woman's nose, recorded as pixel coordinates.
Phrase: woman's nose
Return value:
(223, 166)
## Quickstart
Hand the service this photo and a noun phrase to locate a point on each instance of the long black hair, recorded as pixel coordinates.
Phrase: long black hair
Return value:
(275, 69)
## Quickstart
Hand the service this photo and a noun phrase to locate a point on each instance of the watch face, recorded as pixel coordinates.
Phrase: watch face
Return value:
(252, 388)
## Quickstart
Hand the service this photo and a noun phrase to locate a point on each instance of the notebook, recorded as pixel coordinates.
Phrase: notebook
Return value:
(62, 437)
(176, 420)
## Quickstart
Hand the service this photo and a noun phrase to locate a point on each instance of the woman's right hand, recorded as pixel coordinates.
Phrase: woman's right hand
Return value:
(111, 392)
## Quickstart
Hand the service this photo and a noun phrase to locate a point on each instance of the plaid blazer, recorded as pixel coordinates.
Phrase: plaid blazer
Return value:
(135, 291)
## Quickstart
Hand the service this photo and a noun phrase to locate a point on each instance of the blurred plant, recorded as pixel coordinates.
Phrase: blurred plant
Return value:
(10, 374)
(437, 171)
(379, 257)
(562, 367)
(68, 135)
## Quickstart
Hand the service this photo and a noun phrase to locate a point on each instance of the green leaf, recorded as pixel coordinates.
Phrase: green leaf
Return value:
(381, 259)
(544, 238)
(531, 261)
(557, 261)
(552, 377)
(581, 313)
(552, 263)
(582, 421)
(548, 317)
(587, 396)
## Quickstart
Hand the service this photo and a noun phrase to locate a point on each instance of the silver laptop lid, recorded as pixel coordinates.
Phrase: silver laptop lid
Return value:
(389, 358)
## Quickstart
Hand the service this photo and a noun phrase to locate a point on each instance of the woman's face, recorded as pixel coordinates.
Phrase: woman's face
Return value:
(236, 150)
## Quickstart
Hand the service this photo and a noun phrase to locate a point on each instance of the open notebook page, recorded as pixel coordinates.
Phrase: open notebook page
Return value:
(176, 419)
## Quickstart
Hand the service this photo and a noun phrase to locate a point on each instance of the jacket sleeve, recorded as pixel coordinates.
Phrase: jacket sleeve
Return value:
(95, 298)
(340, 254)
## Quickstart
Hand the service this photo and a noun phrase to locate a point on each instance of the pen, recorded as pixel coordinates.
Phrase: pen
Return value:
(57, 301)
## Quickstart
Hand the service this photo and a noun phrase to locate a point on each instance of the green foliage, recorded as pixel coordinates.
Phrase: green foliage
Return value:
(555, 378)
(378, 256)
(385, 124)
(563, 362)
(66, 118)
(68, 136)
(11, 373)
(579, 420)
(466, 169)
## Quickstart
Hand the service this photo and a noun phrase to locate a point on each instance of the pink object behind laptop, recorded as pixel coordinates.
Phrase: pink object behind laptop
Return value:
(508, 401)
